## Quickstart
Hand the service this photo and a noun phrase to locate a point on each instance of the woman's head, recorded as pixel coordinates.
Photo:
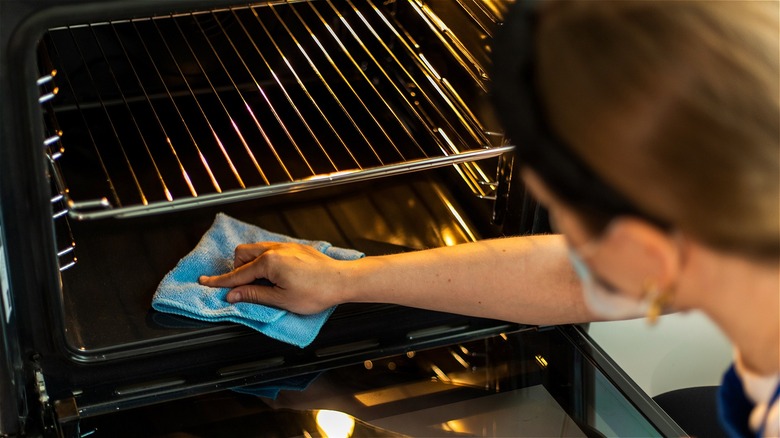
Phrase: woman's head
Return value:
(675, 105)
(659, 119)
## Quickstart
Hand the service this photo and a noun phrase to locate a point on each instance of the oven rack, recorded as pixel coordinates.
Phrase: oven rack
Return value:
(209, 107)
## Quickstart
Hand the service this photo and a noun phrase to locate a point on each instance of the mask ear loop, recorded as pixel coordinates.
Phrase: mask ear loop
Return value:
(588, 249)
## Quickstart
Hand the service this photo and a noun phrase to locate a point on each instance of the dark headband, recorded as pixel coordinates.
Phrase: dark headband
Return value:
(521, 112)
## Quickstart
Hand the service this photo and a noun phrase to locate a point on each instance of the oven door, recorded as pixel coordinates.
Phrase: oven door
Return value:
(551, 381)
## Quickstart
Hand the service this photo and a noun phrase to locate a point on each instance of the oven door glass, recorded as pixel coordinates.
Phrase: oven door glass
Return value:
(536, 382)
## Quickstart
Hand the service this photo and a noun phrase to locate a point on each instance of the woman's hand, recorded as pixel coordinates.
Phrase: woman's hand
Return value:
(303, 279)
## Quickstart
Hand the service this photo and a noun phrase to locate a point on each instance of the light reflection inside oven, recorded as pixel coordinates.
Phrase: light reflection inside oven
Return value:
(441, 379)
(460, 359)
(334, 424)
(455, 426)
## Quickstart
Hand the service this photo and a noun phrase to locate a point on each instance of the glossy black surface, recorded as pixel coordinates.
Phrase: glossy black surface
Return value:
(107, 295)
(544, 382)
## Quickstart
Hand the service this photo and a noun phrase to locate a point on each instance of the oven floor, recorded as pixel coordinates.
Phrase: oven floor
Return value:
(106, 296)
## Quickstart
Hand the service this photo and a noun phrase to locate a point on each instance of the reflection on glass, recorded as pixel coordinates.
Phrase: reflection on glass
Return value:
(522, 384)
(334, 424)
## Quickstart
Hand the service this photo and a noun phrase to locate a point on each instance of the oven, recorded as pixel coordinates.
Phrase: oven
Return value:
(128, 125)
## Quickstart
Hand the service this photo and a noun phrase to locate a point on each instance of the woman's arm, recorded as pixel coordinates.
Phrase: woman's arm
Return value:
(522, 279)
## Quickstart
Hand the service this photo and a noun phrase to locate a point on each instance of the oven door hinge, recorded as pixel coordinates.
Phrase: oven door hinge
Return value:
(49, 414)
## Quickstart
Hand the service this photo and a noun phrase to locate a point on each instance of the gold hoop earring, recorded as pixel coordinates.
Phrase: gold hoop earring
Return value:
(657, 301)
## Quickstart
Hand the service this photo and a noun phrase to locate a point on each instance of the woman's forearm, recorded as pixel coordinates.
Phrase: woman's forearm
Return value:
(521, 279)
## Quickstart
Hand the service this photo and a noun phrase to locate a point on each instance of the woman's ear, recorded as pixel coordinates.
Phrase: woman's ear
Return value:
(640, 254)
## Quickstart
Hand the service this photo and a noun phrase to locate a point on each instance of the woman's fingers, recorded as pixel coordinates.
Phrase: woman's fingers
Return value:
(255, 294)
(248, 252)
(245, 274)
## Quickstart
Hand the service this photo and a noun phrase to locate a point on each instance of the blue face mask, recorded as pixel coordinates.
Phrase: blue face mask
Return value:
(602, 301)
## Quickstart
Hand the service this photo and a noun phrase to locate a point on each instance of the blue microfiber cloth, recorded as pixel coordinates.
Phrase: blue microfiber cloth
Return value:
(181, 294)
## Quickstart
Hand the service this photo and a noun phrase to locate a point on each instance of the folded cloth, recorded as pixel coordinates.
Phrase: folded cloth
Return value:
(181, 294)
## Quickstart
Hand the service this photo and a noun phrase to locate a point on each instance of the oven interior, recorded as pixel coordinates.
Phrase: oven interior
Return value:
(365, 123)
(155, 123)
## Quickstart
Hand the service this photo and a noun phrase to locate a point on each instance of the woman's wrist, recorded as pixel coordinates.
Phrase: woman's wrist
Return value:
(362, 280)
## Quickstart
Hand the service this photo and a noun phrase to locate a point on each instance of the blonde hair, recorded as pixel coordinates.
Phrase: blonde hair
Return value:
(676, 104)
